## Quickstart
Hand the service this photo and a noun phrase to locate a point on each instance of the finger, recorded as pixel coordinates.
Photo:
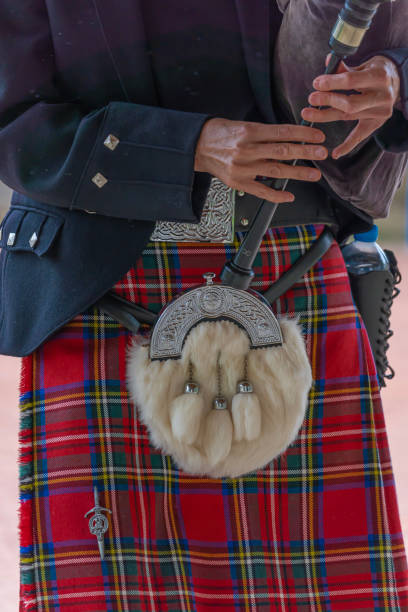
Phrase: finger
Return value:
(275, 169)
(315, 115)
(267, 193)
(364, 129)
(326, 115)
(285, 152)
(259, 132)
(380, 113)
(353, 79)
(349, 104)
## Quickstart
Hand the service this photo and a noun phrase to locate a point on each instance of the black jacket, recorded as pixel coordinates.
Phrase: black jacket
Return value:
(74, 77)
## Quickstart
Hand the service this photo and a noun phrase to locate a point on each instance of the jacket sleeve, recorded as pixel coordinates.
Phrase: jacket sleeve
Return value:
(393, 135)
(122, 159)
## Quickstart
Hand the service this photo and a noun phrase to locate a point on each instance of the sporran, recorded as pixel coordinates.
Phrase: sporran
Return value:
(222, 387)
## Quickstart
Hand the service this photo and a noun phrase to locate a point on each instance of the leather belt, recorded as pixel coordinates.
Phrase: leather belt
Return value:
(312, 205)
(227, 211)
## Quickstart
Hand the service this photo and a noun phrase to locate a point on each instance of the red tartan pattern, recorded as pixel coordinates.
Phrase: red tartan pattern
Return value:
(316, 529)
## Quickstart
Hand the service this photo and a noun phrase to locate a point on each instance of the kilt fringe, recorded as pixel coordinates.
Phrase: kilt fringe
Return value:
(26, 486)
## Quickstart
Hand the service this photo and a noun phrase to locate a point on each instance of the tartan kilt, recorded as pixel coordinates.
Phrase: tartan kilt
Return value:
(318, 528)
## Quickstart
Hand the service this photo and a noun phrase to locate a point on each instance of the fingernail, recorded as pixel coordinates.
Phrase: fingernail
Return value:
(317, 82)
(321, 152)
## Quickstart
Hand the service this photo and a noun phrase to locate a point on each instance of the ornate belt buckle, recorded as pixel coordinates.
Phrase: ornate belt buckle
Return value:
(216, 224)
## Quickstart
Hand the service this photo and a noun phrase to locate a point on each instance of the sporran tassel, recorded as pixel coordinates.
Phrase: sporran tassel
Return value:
(186, 411)
(218, 431)
(246, 410)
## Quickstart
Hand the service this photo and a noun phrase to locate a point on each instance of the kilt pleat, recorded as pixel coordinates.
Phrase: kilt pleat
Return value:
(316, 529)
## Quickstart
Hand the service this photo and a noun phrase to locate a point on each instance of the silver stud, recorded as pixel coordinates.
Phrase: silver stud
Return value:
(33, 240)
(241, 193)
(99, 180)
(11, 239)
(1, 233)
(191, 387)
(220, 403)
(209, 276)
(244, 386)
(111, 142)
(244, 221)
(90, 212)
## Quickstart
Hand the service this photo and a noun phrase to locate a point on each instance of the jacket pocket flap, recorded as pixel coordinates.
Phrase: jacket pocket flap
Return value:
(29, 230)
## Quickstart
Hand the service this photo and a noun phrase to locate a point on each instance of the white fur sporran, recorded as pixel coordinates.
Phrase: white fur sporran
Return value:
(234, 432)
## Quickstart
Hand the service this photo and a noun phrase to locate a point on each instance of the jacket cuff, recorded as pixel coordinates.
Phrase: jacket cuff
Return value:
(142, 165)
(393, 135)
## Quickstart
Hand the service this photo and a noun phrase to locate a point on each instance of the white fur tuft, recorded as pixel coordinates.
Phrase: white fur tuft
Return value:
(217, 436)
(186, 413)
(246, 416)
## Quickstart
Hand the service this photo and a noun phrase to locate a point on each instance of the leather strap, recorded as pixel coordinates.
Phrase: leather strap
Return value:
(127, 313)
(132, 315)
(315, 203)
(301, 265)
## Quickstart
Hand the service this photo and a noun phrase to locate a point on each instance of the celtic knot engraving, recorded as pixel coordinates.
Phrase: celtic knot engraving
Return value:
(208, 303)
(216, 223)
(98, 524)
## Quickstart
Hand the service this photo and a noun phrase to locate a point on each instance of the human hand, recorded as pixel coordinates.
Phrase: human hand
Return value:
(237, 152)
(377, 84)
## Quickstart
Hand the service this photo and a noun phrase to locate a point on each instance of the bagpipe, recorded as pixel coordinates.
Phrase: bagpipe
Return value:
(221, 383)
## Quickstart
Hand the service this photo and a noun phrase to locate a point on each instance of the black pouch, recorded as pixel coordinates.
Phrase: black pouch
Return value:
(374, 294)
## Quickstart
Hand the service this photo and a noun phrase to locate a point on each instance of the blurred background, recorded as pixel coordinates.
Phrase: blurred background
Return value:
(393, 235)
